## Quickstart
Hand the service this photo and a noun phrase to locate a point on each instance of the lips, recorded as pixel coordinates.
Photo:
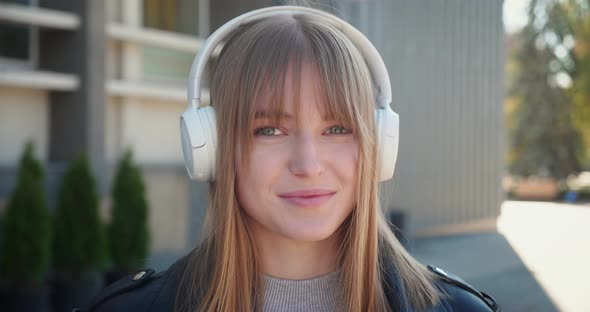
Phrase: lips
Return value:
(308, 198)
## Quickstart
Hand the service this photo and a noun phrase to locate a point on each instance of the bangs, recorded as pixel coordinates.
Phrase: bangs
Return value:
(268, 50)
(271, 97)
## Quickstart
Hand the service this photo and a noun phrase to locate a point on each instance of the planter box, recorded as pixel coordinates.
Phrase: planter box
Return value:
(536, 189)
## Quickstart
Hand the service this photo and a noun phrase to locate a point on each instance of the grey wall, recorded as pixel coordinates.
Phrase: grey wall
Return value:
(445, 59)
(77, 115)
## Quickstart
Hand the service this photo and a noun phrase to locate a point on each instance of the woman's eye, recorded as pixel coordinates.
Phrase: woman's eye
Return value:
(337, 130)
(267, 131)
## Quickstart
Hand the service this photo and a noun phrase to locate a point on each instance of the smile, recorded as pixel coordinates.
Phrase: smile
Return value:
(308, 198)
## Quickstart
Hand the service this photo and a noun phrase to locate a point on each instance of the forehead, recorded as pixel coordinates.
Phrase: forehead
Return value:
(301, 94)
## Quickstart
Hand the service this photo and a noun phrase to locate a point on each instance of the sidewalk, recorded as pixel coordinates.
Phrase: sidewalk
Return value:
(538, 261)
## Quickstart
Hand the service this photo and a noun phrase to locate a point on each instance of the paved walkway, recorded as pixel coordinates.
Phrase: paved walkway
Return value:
(538, 261)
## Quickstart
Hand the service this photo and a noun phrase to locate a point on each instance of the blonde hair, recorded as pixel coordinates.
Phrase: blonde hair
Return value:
(222, 273)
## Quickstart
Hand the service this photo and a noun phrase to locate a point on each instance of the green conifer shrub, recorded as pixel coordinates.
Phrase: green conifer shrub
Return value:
(128, 231)
(26, 254)
(79, 238)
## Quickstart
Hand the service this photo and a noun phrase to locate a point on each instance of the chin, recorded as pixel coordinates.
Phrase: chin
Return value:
(309, 233)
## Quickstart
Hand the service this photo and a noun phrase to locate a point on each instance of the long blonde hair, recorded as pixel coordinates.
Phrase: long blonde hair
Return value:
(222, 273)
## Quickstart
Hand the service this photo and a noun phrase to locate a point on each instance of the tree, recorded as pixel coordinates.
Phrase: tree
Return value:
(79, 244)
(27, 227)
(573, 21)
(544, 139)
(128, 232)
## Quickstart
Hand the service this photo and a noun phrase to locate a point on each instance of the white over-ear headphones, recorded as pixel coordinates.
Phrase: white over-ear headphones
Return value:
(197, 124)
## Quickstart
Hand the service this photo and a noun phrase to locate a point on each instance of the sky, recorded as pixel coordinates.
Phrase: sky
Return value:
(515, 14)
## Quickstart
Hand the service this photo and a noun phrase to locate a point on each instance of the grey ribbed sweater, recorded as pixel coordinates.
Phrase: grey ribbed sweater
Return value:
(322, 294)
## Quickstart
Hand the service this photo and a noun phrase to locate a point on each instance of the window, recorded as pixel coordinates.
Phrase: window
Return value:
(22, 39)
(173, 15)
(181, 16)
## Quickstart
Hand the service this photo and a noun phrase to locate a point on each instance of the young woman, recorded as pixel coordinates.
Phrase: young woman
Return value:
(298, 135)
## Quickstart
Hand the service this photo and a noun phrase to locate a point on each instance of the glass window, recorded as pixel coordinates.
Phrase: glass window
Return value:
(181, 16)
(19, 37)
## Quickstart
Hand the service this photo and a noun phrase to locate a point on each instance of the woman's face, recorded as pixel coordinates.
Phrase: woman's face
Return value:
(300, 181)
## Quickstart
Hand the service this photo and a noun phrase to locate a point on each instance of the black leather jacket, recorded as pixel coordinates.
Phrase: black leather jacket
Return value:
(149, 291)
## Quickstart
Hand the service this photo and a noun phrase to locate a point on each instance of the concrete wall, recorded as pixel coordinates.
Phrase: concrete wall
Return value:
(24, 116)
(148, 127)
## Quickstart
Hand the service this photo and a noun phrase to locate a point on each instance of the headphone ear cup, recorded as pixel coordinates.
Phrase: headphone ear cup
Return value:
(387, 122)
(198, 133)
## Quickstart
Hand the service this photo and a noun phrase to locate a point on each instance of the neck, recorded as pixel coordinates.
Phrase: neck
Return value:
(295, 260)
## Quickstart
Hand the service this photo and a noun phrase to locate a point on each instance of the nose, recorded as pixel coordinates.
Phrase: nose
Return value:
(305, 160)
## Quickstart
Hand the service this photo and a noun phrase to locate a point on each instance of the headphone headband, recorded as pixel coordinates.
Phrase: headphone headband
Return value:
(366, 48)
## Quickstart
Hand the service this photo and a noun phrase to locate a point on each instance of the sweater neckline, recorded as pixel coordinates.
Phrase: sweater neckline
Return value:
(330, 277)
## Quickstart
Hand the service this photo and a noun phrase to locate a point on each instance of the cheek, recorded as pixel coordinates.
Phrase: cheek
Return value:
(345, 161)
(262, 167)
(246, 190)
(348, 175)
(256, 177)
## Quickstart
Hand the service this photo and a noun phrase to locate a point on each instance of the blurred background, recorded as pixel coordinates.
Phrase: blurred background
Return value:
(490, 183)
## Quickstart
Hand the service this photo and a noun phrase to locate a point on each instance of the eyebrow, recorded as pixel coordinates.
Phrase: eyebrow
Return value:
(264, 114)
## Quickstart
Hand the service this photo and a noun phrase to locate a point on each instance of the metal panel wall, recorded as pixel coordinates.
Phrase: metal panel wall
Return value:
(445, 59)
